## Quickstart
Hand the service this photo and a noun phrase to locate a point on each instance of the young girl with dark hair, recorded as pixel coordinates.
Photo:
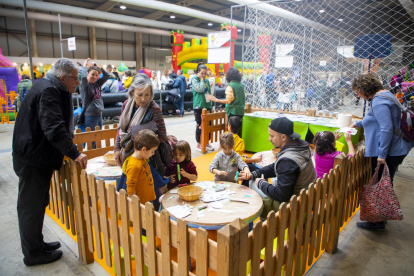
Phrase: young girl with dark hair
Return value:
(326, 153)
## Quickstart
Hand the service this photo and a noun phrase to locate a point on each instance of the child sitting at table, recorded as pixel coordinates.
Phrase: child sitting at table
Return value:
(227, 162)
(235, 126)
(182, 158)
(325, 151)
(138, 172)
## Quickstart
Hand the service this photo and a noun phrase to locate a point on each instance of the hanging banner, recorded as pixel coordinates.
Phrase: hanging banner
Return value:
(284, 49)
(346, 51)
(217, 40)
(72, 43)
(284, 62)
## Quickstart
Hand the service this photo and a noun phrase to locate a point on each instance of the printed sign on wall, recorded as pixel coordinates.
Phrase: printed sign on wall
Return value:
(284, 49)
(72, 43)
(217, 40)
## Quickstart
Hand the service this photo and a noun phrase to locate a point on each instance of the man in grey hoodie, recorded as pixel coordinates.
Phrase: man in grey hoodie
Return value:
(293, 168)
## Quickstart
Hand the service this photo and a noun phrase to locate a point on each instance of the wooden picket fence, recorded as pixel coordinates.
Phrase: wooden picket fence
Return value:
(289, 240)
(101, 138)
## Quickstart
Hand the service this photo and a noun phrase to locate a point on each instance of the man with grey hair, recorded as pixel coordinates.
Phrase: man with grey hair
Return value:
(43, 135)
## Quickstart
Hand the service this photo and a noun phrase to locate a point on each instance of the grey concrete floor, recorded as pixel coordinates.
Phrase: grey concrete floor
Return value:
(359, 252)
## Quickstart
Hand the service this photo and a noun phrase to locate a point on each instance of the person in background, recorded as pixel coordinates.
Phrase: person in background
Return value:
(321, 92)
(91, 94)
(190, 77)
(155, 82)
(200, 87)
(127, 79)
(270, 88)
(111, 85)
(223, 81)
(212, 80)
(399, 94)
(396, 80)
(26, 82)
(408, 94)
(43, 135)
(181, 84)
(381, 144)
(164, 79)
(344, 88)
(235, 98)
(112, 70)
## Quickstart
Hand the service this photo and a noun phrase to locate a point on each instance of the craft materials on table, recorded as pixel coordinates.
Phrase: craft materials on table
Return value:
(349, 130)
(102, 170)
(179, 211)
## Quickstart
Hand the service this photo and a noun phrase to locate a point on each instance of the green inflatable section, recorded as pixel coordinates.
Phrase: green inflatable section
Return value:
(12, 116)
(248, 65)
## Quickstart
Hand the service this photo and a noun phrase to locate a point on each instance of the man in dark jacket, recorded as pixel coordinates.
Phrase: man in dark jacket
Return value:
(43, 135)
(293, 168)
(181, 84)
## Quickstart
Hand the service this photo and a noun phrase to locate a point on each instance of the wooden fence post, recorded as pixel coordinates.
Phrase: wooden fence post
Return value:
(85, 254)
(341, 182)
(204, 134)
(243, 238)
(248, 108)
(228, 245)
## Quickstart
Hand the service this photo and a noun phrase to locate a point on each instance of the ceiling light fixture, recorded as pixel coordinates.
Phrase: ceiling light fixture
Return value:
(239, 30)
(122, 7)
(14, 64)
(25, 64)
(321, 11)
(340, 19)
(210, 24)
(172, 16)
(40, 64)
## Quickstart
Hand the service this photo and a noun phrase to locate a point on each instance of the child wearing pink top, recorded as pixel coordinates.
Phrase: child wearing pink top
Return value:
(325, 151)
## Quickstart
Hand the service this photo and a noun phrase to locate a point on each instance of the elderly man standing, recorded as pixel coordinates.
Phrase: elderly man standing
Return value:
(293, 168)
(42, 136)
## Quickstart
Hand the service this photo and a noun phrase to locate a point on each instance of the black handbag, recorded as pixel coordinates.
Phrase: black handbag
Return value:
(79, 119)
(173, 95)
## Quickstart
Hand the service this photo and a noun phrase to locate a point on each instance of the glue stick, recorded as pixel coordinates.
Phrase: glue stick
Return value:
(178, 172)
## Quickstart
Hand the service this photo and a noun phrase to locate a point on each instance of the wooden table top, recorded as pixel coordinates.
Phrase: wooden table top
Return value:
(268, 158)
(210, 219)
(100, 169)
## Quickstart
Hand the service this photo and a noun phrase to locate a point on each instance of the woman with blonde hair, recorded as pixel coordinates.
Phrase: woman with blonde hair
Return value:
(155, 81)
(164, 79)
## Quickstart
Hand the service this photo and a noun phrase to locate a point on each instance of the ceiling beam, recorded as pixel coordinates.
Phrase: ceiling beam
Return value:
(107, 6)
(221, 12)
(409, 7)
(158, 14)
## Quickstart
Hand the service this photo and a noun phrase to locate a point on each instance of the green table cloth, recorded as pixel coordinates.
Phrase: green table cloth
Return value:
(256, 137)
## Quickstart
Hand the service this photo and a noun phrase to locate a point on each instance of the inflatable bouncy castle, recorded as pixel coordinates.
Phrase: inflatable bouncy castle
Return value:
(8, 87)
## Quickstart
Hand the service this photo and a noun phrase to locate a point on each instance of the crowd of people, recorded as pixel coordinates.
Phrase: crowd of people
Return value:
(150, 158)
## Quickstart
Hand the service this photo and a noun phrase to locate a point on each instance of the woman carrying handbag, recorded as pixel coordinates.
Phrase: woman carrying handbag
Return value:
(381, 144)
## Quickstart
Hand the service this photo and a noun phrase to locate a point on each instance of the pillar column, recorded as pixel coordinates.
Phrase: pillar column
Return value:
(138, 50)
(92, 43)
(33, 38)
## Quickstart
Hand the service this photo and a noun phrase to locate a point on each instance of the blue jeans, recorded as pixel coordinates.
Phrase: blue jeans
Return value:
(92, 122)
(180, 103)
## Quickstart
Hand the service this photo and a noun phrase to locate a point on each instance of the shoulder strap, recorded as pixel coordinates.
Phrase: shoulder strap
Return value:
(396, 102)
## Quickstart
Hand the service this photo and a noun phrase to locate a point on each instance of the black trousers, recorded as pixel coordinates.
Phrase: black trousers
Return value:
(197, 115)
(392, 162)
(32, 200)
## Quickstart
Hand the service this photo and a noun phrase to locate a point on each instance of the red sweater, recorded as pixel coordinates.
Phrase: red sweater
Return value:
(188, 166)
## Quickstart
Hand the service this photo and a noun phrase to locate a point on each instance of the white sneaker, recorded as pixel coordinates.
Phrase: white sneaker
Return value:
(198, 149)
(210, 148)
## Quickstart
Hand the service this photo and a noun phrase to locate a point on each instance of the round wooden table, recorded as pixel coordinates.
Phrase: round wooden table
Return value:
(214, 220)
(268, 158)
(101, 170)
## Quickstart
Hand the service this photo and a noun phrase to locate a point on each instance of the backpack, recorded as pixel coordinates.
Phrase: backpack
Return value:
(24, 91)
(406, 130)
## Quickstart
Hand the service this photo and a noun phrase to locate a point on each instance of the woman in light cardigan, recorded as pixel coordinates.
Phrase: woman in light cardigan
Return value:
(381, 143)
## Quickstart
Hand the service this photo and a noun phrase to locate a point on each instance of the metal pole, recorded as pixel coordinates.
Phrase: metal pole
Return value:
(231, 31)
(310, 65)
(244, 31)
(29, 44)
(255, 58)
(301, 67)
(60, 34)
(369, 70)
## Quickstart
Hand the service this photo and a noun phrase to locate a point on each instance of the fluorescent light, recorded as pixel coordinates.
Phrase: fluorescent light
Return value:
(40, 64)
(14, 64)
(340, 19)
(321, 11)
(25, 64)
(210, 24)
(172, 16)
(122, 7)
(239, 30)
(104, 66)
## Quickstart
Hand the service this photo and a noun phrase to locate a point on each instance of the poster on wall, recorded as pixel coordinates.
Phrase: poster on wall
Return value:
(284, 62)
(346, 51)
(284, 49)
(217, 40)
(72, 43)
(168, 59)
(322, 63)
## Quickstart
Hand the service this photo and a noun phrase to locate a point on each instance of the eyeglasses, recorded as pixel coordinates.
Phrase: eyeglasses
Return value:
(76, 78)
